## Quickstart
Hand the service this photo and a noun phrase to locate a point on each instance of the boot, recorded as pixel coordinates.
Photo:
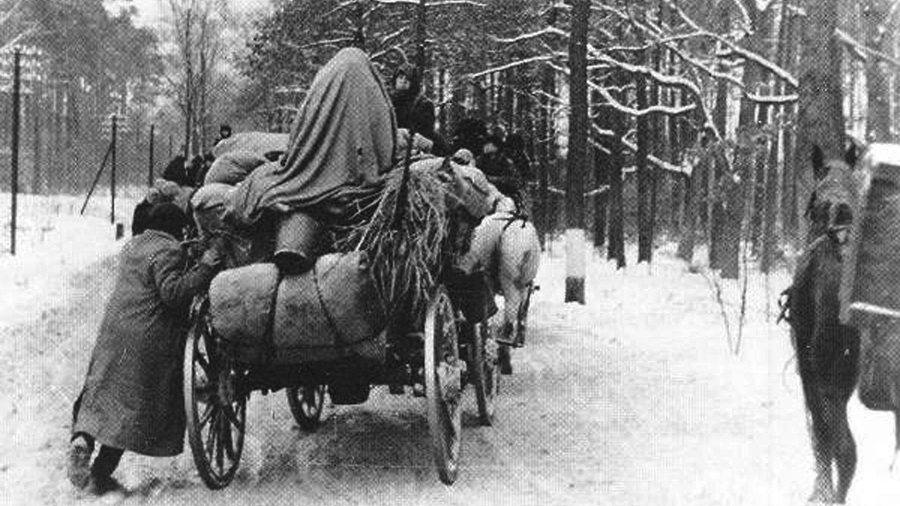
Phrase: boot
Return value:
(79, 469)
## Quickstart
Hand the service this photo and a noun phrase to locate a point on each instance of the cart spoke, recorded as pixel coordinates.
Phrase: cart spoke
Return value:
(211, 435)
(207, 413)
(231, 416)
(228, 443)
(200, 355)
(222, 429)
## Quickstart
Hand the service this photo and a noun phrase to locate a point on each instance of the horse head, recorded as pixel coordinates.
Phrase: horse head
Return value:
(832, 206)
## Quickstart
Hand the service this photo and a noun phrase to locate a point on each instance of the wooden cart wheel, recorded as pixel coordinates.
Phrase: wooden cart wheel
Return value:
(306, 405)
(215, 411)
(485, 372)
(443, 388)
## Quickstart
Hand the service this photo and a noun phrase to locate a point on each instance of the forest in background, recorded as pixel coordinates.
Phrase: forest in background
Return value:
(652, 120)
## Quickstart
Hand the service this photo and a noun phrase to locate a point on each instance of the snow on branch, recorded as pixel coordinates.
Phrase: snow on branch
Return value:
(507, 66)
(663, 109)
(343, 5)
(386, 51)
(602, 132)
(445, 3)
(772, 99)
(440, 3)
(715, 74)
(393, 35)
(662, 164)
(745, 15)
(318, 43)
(661, 78)
(550, 30)
(630, 110)
(736, 49)
(862, 50)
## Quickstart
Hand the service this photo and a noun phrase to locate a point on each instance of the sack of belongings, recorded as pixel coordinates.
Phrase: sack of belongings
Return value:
(263, 144)
(327, 312)
(242, 246)
(233, 167)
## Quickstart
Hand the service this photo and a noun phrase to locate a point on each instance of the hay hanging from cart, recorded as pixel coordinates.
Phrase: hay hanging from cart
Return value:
(405, 241)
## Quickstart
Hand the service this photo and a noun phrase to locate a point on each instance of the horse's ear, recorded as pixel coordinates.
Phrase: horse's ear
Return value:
(818, 162)
(851, 156)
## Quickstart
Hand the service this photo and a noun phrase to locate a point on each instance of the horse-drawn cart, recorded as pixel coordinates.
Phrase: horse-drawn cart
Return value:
(302, 336)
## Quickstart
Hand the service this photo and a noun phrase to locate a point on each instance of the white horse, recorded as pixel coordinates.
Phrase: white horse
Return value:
(506, 245)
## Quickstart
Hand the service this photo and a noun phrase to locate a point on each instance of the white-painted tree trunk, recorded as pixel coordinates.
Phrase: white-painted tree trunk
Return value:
(575, 265)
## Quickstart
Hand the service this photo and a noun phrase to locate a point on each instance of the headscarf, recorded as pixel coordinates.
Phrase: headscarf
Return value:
(341, 140)
(167, 217)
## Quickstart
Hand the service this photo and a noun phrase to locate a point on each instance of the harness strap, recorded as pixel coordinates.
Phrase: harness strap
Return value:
(269, 345)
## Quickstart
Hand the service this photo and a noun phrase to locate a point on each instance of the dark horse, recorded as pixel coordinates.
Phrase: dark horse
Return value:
(827, 350)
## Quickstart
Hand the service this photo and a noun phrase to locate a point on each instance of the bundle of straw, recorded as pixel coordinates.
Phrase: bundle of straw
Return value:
(405, 239)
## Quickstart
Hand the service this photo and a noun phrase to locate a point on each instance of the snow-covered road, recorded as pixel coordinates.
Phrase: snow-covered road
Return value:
(632, 399)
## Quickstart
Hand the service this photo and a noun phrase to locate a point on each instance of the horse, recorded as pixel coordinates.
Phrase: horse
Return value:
(518, 259)
(827, 350)
(506, 245)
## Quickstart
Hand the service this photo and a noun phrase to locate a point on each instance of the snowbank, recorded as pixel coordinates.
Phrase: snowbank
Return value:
(53, 241)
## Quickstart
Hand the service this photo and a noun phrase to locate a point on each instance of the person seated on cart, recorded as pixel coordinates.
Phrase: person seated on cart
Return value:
(413, 109)
(498, 168)
(132, 395)
(341, 142)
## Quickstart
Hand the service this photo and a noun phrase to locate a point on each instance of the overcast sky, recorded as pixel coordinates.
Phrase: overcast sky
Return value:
(150, 11)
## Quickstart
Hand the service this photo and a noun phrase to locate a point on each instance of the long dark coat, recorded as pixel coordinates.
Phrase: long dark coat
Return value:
(132, 397)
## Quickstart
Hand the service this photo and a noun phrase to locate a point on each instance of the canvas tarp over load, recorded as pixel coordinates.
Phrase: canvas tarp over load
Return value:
(870, 296)
(341, 142)
(329, 311)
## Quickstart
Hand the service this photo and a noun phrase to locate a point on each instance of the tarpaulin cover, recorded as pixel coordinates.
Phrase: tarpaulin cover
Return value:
(342, 139)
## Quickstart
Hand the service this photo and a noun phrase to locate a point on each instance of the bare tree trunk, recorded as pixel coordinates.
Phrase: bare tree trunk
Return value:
(719, 176)
(738, 189)
(37, 183)
(577, 157)
(788, 202)
(693, 191)
(617, 123)
(546, 136)
(878, 38)
(601, 177)
(773, 225)
(422, 38)
(644, 178)
(820, 111)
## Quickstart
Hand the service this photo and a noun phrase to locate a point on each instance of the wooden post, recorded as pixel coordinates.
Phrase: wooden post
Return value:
(112, 173)
(150, 168)
(17, 82)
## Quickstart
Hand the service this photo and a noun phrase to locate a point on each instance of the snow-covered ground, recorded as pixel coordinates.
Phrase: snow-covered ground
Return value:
(54, 241)
(635, 398)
